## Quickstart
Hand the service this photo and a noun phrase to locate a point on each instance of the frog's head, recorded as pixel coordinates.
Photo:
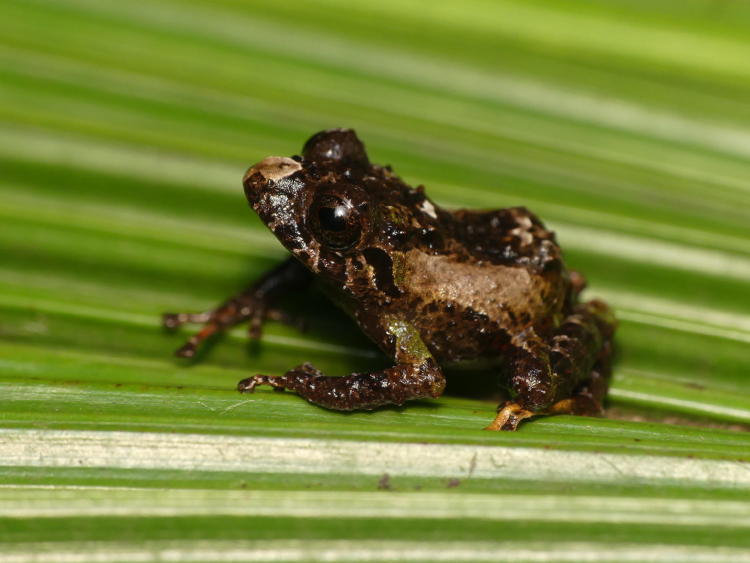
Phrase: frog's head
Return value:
(337, 213)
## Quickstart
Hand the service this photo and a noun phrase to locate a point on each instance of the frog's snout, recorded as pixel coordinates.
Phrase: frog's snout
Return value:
(270, 168)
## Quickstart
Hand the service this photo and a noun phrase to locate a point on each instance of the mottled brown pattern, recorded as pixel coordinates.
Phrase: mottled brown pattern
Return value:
(512, 236)
(428, 285)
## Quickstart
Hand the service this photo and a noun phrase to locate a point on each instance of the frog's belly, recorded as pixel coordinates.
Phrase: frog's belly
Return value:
(466, 311)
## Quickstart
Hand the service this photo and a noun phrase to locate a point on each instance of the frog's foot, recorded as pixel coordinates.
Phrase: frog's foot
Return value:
(226, 316)
(580, 405)
(172, 321)
(357, 391)
(587, 401)
(222, 318)
(253, 304)
(509, 417)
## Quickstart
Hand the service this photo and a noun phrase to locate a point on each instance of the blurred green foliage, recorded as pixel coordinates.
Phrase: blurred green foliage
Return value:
(125, 128)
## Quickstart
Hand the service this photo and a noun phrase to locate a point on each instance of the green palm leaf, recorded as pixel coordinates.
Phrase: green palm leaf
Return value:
(124, 130)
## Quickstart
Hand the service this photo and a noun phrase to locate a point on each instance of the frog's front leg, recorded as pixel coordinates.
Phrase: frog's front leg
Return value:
(416, 375)
(255, 304)
(567, 374)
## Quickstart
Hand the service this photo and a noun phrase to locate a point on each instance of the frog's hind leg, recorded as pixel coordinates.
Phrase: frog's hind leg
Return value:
(567, 374)
(254, 304)
(588, 398)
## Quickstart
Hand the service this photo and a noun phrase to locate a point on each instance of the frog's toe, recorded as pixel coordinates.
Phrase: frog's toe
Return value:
(581, 404)
(509, 417)
(171, 321)
(249, 384)
(187, 350)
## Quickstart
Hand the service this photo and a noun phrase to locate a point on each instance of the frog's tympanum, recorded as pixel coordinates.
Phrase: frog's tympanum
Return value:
(430, 287)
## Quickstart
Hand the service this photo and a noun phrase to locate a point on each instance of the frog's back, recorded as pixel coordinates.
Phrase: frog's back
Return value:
(513, 236)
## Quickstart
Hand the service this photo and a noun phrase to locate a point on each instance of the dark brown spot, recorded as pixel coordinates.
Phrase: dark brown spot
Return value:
(383, 268)
(432, 307)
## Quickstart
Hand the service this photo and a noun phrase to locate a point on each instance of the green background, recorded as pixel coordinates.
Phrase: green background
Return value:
(125, 128)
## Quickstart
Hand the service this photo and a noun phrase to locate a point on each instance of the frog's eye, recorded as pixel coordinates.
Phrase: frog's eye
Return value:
(336, 222)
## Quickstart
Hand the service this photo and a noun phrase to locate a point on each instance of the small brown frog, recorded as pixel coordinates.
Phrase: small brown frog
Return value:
(430, 287)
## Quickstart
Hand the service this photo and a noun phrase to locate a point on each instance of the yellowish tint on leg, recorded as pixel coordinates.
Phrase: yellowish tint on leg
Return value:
(509, 417)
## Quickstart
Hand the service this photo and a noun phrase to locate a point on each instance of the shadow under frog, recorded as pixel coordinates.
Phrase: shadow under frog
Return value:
(431, 287)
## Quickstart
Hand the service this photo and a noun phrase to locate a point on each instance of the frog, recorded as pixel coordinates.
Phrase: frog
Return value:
(433, 288)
